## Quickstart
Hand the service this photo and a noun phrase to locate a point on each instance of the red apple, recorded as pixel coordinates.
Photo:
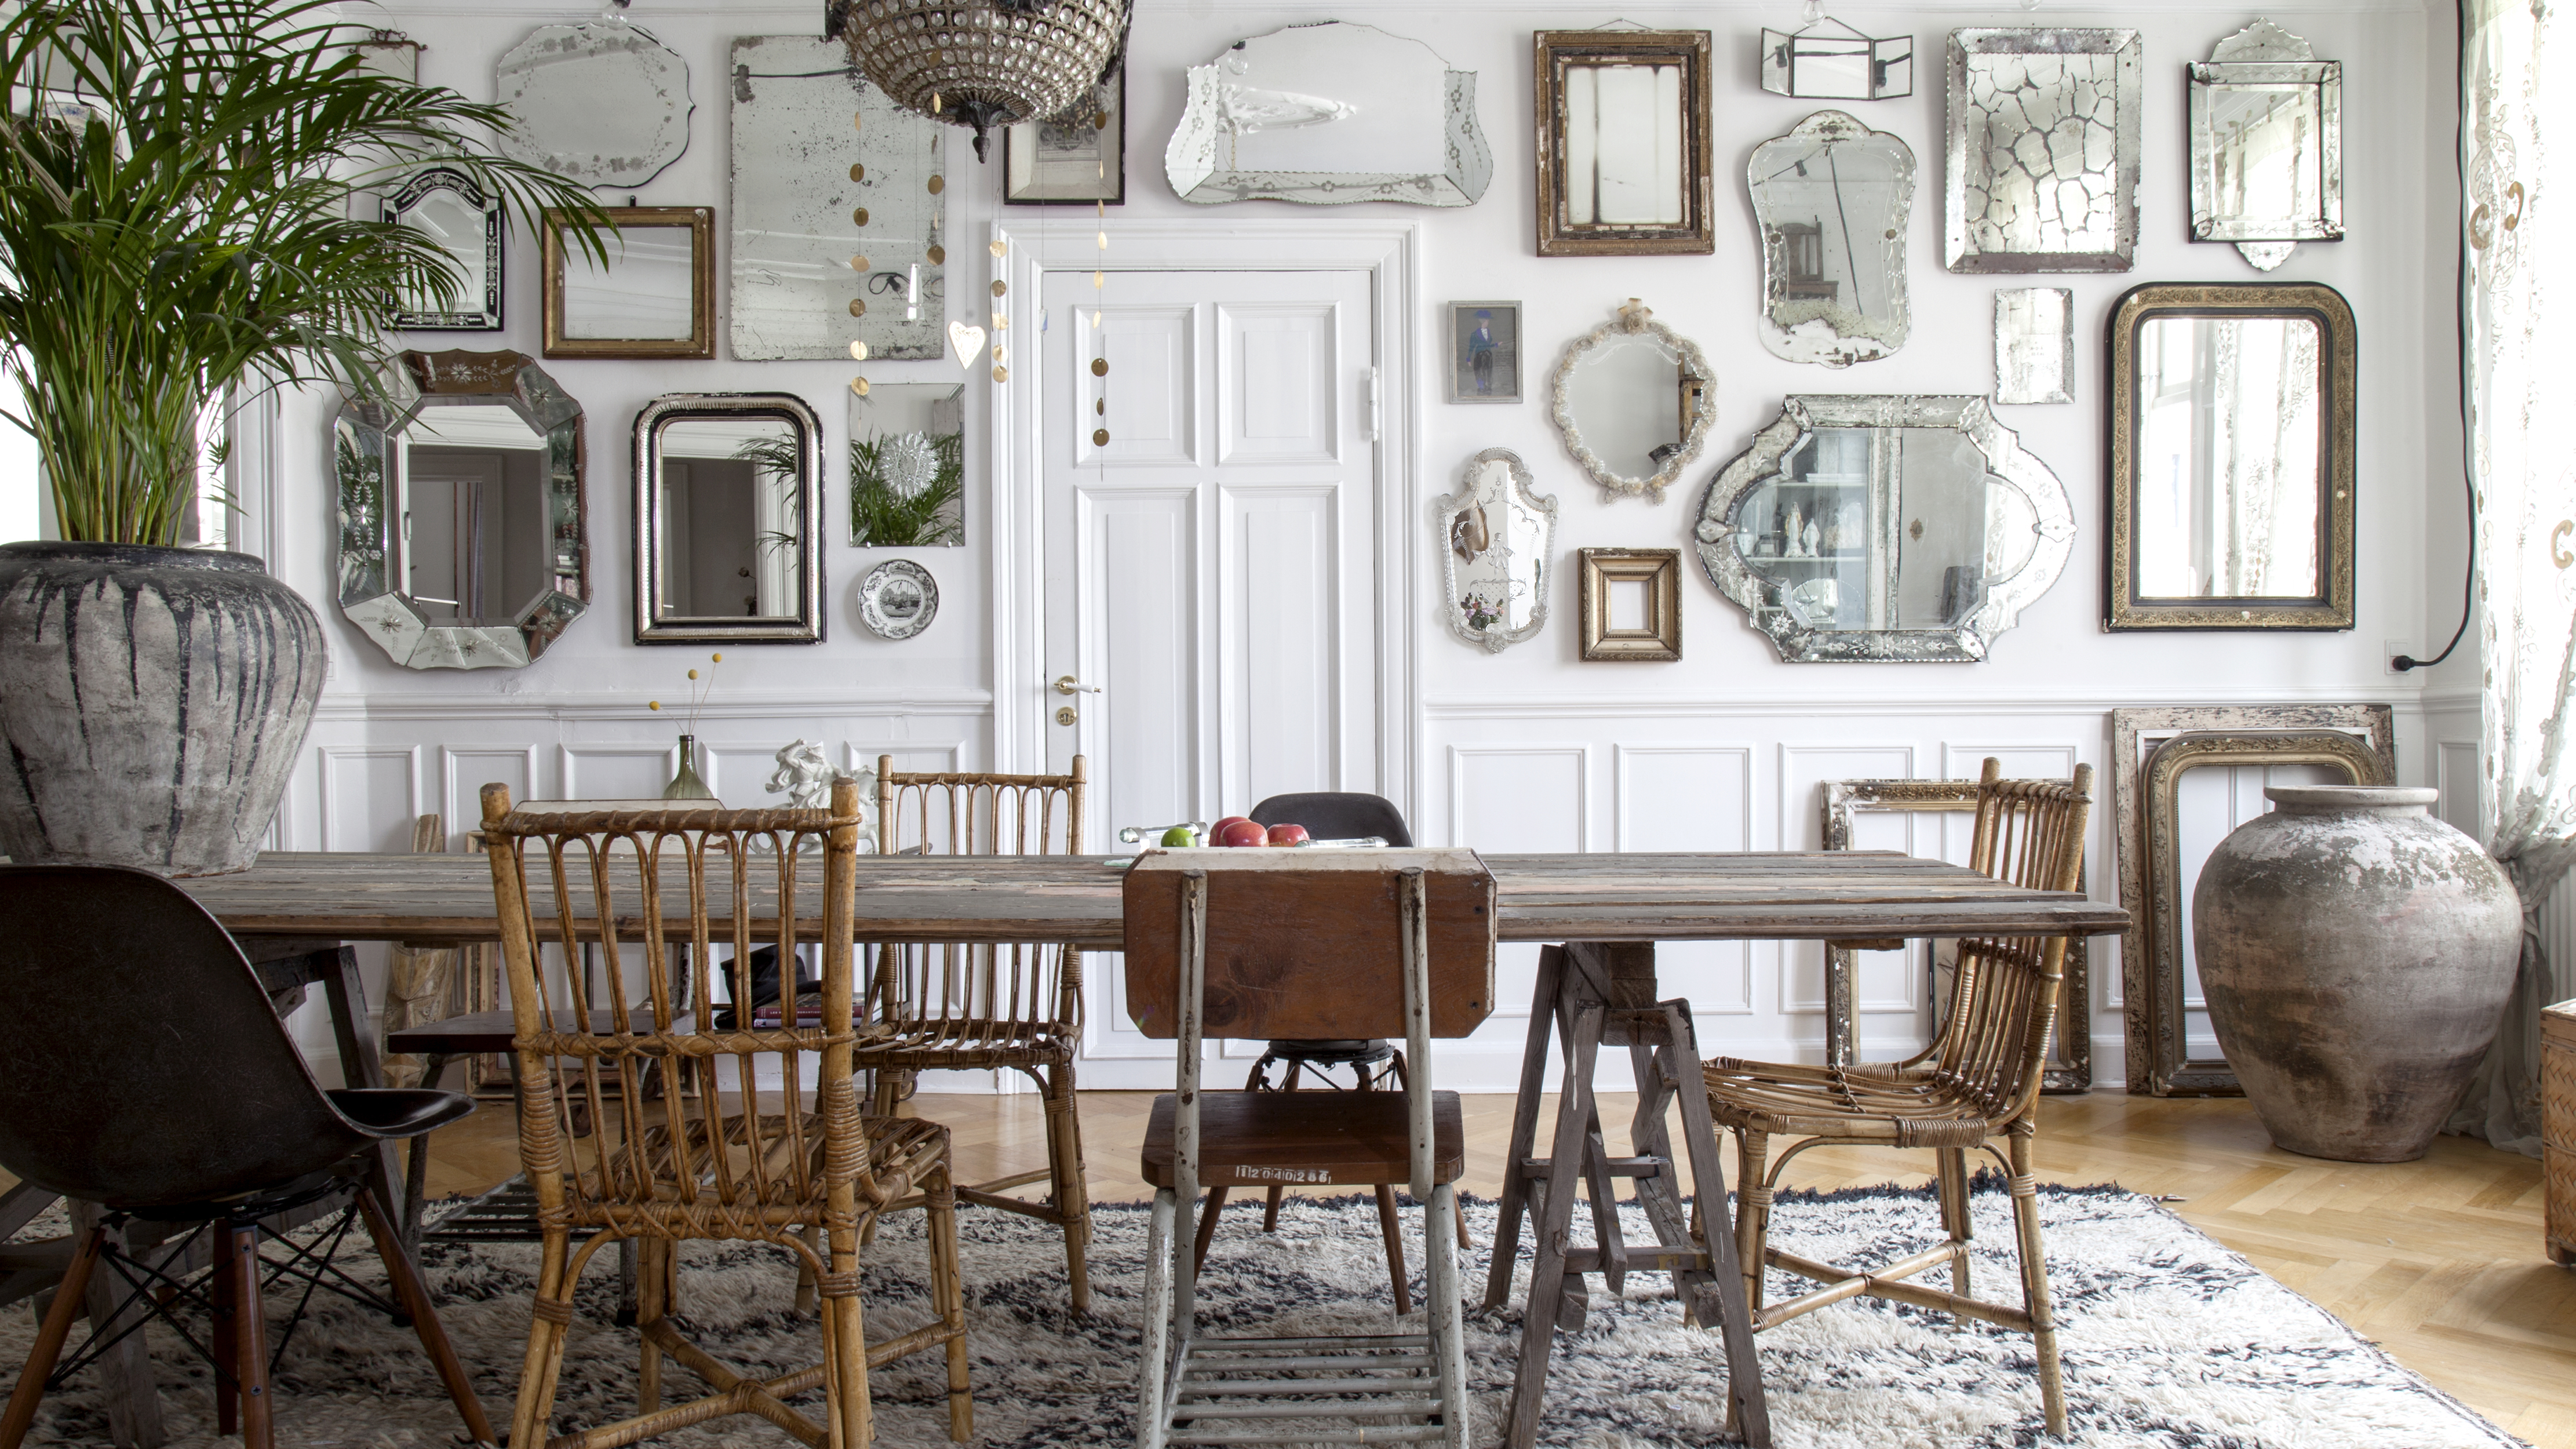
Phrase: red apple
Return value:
(1238, 832)
(1216, 832)
(1288, 835)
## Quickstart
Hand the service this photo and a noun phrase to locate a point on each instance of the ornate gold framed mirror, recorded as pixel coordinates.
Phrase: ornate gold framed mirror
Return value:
(2231, 467)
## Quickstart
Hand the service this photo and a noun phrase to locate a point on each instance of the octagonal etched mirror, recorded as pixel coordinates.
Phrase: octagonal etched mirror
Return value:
(1831, 199)
(1889, 528)
(464, 540)
(1634, 400)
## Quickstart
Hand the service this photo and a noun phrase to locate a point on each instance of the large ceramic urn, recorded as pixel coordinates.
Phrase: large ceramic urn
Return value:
(152, 702)
(2356, 953)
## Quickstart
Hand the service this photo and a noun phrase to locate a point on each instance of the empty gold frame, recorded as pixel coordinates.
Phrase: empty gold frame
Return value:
(2143, 830)
(1632, 603)
(2231, 467)
(1623, 142)
(655, 297)
(2070, 1062)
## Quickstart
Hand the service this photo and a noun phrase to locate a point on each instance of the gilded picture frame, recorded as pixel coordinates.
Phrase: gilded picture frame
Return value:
(1572, 219)
(1659, 570)
(570, 333)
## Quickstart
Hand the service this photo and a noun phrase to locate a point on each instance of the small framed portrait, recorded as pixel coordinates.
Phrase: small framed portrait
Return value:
(1485, 352)
(1075, 157)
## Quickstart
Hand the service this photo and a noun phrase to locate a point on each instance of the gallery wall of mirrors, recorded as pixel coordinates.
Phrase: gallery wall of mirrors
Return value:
(1919, 535)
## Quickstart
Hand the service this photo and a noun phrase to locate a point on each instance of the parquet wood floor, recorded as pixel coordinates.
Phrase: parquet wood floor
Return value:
(2438, 1260)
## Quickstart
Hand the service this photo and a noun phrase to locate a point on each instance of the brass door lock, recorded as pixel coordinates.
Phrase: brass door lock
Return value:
(1066, 716)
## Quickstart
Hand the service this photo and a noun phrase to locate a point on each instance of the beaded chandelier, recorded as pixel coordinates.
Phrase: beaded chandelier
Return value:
(982, 63)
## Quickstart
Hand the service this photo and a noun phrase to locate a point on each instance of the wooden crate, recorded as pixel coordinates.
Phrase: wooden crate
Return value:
(2558, 1126)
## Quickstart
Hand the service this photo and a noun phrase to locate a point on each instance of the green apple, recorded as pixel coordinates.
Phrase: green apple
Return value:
(1179, 835)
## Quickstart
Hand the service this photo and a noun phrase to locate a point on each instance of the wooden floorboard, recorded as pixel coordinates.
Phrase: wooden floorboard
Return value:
(2439, 1260)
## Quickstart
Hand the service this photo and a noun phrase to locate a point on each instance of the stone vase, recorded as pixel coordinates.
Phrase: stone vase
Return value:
(152, 702)
(2356, 954)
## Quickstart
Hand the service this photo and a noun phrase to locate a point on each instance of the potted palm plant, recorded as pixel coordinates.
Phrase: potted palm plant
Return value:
(183, 223)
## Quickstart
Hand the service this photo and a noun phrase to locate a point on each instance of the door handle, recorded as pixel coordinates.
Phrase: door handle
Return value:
(1068, 685)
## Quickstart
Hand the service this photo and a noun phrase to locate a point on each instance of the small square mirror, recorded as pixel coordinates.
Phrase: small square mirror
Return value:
(653, 297)
(908, 466)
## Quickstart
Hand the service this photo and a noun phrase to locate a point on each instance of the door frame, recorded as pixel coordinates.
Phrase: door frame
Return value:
(1390, 252)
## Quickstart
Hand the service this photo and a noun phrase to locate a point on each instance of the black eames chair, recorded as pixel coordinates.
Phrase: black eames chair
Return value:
(143, 1068)
(1375, 1065)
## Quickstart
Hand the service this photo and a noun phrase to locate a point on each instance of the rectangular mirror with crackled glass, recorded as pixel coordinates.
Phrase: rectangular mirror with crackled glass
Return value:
(2043, 173)
(2231, 467)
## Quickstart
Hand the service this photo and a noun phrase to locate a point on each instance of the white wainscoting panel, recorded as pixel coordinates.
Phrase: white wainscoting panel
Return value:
(617, 772)
(370, 796)
(1152, 389)
(1280, 661)
(463, 772)
(1522, 798)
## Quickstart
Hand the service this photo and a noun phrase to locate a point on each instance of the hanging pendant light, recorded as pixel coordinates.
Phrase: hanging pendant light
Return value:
(982, 63)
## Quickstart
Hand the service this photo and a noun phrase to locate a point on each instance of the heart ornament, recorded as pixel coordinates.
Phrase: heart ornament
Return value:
(967, 341)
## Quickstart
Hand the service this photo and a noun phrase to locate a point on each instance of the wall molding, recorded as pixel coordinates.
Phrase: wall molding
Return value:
(628, 704)
(1610, 707)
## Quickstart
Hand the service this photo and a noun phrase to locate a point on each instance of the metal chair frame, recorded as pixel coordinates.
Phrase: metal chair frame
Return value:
(1186, 1379)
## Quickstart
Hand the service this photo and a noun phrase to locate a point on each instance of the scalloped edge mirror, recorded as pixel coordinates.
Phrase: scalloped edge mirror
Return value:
(1718, 528)
(1695, 396)
(372, 545)
(1472, 538)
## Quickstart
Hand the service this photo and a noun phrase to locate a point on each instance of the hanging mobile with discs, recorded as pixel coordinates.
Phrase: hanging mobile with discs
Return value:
(859, 260)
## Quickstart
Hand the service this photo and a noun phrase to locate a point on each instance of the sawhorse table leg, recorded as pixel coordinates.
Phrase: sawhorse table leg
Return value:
(1591, 993)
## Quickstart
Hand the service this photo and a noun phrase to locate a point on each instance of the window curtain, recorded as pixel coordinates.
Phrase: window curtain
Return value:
(2519, 378)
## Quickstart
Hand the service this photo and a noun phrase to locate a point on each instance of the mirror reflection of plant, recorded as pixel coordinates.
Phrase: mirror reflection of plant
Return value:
(883, 515)
(776, 456)
(183, 227)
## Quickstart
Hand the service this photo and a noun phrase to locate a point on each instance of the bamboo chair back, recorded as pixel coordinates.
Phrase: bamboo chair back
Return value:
(665, 1157)
(1993, 1044)
(958, 996)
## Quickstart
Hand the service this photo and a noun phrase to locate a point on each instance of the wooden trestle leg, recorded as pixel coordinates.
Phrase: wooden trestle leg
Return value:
(1591, 994)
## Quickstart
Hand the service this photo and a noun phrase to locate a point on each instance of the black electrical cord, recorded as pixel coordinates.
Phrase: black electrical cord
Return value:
(2468, 481)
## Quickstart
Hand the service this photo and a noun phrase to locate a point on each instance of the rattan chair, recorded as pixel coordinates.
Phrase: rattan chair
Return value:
(698, 1151)
(952, 1007)
(1978, 1081)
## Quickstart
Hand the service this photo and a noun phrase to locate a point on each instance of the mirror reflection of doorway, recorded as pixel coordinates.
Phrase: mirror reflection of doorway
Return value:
(474, 514)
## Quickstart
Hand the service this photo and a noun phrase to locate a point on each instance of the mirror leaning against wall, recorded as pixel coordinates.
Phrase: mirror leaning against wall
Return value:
(464, 541)
(2231, 468)
(727, 502)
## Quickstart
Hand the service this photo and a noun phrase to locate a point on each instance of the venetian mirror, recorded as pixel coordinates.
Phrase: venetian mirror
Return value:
(840, 210)
(1497, 545)
(2231, 469)
(1634, 400)
(2043, 173)
(463, 537)
(727, 495)
(2266, 145)
(908, 466)
(1330, 113)
(602, 102)
(464, 222)
(1831, 199)
(1895, 528)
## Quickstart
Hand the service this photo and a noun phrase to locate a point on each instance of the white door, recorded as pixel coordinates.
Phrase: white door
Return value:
(1211, 571)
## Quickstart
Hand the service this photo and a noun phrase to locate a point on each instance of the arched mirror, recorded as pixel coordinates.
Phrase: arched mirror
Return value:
(727, 495)
(1896, 528)
(464, 542)
(1832, 198)
(1634, 400)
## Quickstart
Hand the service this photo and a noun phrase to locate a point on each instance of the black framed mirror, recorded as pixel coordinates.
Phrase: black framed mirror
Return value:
(728, 492)
(2231, 458)
(464, 220)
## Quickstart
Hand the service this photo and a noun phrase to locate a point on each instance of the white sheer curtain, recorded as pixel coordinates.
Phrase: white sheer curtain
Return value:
(2521, 375)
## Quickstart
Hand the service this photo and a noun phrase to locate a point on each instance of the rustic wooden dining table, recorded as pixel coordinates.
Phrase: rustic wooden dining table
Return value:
(1606, 911)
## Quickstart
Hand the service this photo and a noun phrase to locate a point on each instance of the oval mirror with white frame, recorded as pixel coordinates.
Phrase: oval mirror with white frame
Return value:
(464, 536)
(1884, 528)
(1634, 400)
(1497, 540)
(463, 221)
(1831, 199)
(727, 499)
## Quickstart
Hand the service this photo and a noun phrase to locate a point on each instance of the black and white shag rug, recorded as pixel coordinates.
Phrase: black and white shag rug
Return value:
(2170, 1341)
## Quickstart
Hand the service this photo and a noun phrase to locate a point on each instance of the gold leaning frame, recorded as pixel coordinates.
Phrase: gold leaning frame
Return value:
(2070, 1064)
(2156, 1013)
(2332, 607)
